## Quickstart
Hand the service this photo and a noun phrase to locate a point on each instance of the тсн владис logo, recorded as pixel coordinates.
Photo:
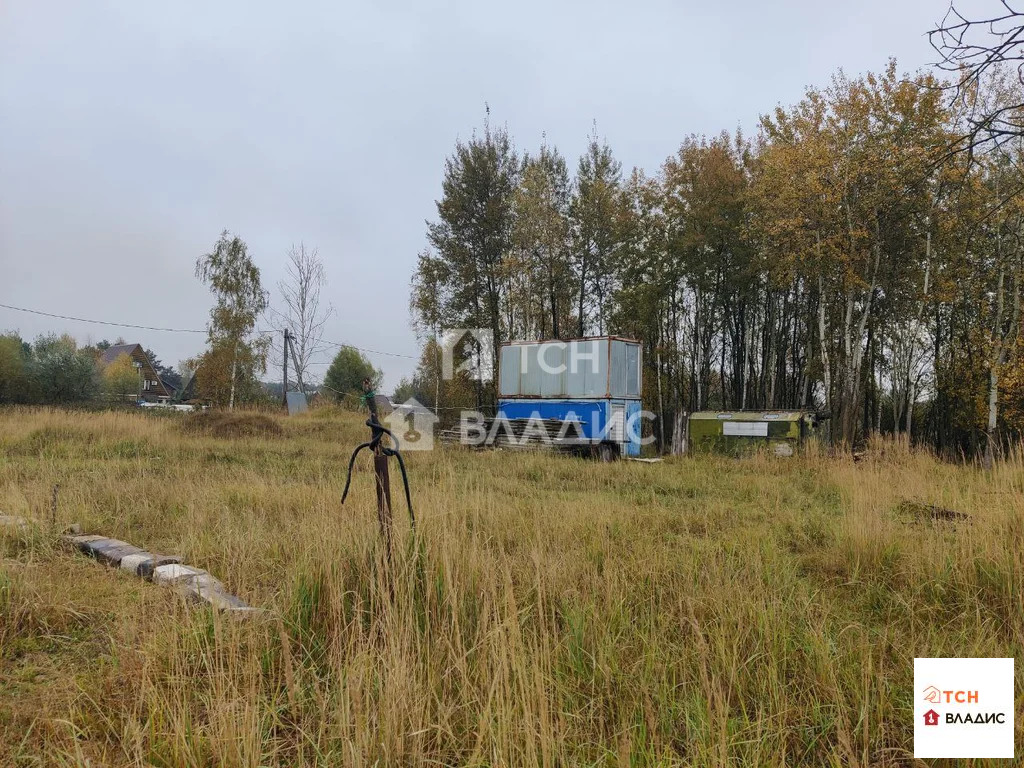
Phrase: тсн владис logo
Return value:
(963, 708)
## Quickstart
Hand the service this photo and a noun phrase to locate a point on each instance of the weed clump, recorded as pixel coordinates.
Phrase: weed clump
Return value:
(231, 425)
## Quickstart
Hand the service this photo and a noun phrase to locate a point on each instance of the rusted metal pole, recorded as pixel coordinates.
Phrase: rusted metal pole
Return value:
(381, 453)
(380, 471)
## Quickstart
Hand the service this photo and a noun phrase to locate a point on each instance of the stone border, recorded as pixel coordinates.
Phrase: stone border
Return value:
(195, 584)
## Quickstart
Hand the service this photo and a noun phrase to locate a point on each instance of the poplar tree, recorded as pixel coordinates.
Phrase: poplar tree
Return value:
(595, 215)
(541, 237)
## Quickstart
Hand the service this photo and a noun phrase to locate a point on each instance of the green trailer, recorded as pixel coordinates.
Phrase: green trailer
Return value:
(737, 432)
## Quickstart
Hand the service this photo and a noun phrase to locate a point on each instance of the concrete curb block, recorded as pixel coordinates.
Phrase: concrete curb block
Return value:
(199, 586)
(192, 583)
(172, 573)
(13, 523)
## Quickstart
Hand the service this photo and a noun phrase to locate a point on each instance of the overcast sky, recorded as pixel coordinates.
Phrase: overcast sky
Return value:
(132, 133)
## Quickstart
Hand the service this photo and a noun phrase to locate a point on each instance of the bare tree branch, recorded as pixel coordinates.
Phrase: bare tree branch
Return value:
(302, 310)
(977, 50)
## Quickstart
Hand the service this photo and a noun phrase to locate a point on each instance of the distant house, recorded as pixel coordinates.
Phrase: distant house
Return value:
(171, 389)
(152, 388)
(187, 391)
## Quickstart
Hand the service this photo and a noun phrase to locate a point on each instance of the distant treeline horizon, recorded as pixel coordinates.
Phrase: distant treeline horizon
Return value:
(843, 258)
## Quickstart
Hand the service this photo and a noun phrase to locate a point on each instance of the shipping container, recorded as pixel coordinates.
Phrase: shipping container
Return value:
(595, 381)
(736, 432)
(599, 367)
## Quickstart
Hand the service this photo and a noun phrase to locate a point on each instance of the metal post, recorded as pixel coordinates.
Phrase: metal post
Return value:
(380, 471)
(295, 359)
(284, 377)
(383, 480)
(381, 453)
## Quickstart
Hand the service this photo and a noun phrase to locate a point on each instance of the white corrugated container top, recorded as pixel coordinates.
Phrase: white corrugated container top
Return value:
(599, 367)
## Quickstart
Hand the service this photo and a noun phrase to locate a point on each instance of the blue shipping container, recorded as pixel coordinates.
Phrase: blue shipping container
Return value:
(596, 381)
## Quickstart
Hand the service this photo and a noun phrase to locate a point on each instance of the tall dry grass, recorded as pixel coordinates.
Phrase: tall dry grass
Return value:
(552, 611)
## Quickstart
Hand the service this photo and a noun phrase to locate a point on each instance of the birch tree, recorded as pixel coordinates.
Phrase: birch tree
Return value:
(239, 301)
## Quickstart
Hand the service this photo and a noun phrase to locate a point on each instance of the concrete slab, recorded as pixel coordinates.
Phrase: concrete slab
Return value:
(193, 583)
(223, 601)
(205, 588)
(80, 540)
(94, 546)
(174, 572)
(100, 545)
(133, 561)
(114, 555)
(146, 567)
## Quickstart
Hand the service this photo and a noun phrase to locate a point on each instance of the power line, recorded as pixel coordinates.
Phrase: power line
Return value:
(369, 351)
(117, 325)
(190, 330)
(102, 322)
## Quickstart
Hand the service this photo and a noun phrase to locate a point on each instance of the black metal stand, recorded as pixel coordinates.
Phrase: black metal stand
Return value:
(381, 453)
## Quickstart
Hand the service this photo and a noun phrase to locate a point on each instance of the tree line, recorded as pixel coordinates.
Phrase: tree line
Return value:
(844, 258)
(54, 370)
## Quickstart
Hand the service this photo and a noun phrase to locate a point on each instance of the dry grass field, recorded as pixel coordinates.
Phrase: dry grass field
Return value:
(551, 612)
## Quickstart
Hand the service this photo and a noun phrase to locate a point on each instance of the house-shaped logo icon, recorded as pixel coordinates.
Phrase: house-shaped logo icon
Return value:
(932, 695)
(931, 717)
(413, 424)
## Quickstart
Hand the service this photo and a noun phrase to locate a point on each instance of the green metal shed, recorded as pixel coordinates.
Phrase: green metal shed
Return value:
(737, 432)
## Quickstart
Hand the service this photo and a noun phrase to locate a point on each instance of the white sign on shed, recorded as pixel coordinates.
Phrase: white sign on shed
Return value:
(745, 428)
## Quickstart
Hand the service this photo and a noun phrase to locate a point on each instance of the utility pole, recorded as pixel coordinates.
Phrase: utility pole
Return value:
(284, 375)
(290, 343)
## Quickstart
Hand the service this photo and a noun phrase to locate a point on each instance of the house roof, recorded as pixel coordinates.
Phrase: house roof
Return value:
(110, 354)
(188, 386)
